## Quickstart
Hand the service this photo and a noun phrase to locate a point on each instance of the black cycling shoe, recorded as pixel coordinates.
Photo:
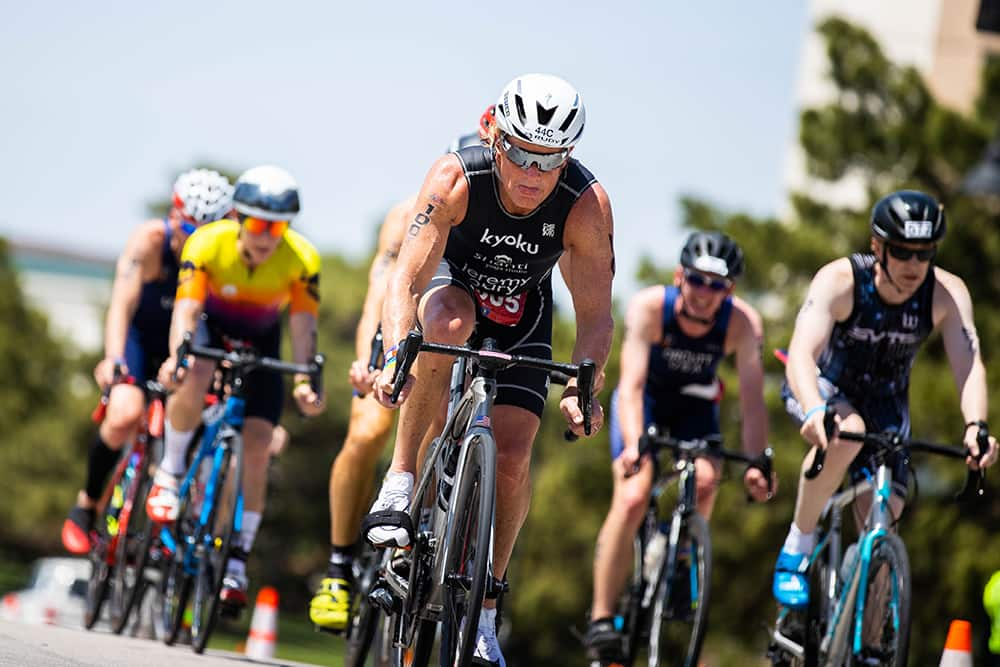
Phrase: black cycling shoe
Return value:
(604, 643)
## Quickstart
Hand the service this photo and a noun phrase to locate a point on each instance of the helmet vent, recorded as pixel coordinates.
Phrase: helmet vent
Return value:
(519, 105)
(544, 115)
(569, 120)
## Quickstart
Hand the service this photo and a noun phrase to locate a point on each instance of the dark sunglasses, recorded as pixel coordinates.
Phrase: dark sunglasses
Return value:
(699, 280)
(903, 254)
(524, 159)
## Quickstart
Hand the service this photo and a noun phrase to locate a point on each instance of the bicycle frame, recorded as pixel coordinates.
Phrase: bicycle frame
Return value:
(215, 440)
(877, 524)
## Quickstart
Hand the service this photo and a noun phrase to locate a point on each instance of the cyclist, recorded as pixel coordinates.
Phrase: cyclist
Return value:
(135, 333)
(854, 342)
(353, 469)
(488, 226)
(675, 337)
(241, 274)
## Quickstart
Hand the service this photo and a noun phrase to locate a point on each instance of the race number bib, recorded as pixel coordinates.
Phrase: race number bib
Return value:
(505, 310)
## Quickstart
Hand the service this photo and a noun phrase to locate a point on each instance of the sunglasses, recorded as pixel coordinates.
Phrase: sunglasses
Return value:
(903, 254)
(259, 225)
(699, 280)
(188, 225)
(524, 159)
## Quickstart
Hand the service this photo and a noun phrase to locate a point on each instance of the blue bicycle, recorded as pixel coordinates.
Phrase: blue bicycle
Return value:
(211, 508)
(859, 606)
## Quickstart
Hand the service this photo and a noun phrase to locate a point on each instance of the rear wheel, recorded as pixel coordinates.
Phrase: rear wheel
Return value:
(680, 614)
(97, 585)
(132, 552)
(886, 634)
(177, 581)
(365, 616)
(469, 544)
(818, 610)
(214, 549)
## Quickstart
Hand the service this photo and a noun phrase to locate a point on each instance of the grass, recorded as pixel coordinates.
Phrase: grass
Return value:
(297, 639)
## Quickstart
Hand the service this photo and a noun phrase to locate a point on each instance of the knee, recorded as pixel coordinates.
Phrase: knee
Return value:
(630, 501)
(120, 422)
(449, 318)
(364, 442)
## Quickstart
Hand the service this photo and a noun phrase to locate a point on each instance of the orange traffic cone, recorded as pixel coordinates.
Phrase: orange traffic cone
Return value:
(264, 625)
(958, 646)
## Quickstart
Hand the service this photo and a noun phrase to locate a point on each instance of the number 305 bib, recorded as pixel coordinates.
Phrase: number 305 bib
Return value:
(506, 310)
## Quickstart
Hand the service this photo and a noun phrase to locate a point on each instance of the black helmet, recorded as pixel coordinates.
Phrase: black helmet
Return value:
(464, 141)
(908, 216)
(267, 192)
(713, 252)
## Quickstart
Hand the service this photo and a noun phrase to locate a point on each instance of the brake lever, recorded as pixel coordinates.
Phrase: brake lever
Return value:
(406, 354)
(585, 388)
(819, 459)
(765, 463)
(182, 354)
(976, 478)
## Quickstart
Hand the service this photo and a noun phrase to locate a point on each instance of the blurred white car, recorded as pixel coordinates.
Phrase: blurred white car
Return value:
(56, 593)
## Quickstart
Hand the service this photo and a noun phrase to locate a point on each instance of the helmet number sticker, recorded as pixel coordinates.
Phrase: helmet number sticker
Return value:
(918, 229)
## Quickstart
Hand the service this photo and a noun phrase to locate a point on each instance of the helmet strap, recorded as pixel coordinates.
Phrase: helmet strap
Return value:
(884, 261)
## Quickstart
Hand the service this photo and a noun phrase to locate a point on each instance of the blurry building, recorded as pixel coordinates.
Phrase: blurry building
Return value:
(71, 289)
(938, 37)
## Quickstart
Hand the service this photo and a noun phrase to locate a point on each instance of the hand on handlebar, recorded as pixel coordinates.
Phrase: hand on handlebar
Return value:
(385, 384)
(104, 372)
(361, 378)
(169, 370)
(569, 405)
(629, 461)
(310, 403)
(977, 459)
(757, 486)
(814, 430)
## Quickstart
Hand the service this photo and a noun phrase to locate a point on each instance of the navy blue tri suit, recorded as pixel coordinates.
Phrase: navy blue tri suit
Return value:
(868, 359)
(504, 262)
(147, 344)
(682, 389)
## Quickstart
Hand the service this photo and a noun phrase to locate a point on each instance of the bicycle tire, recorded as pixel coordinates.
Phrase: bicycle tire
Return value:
(132, 552)
(889, 551)
(217, 545)
(365, 616)
(473, 502)
(97, 585)
(176, 583)
(695, 529)
(817, 612)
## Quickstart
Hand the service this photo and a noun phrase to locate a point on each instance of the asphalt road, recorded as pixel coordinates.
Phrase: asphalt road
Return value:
(49, 646)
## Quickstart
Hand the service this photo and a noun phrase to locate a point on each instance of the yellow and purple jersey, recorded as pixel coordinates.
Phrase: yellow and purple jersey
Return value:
(241, 299)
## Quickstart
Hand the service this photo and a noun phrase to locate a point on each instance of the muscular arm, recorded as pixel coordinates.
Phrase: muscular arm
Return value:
(590, 246)
(828, 301)
(747, 333)
(140, 260)
(390, 239)
(441, 203)
(184, 319)
(953, 314)
(643, 327)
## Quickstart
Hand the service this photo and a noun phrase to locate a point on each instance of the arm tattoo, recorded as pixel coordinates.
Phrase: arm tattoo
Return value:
(384, 262)
(420, 221)
(971, 338)
(133, 264)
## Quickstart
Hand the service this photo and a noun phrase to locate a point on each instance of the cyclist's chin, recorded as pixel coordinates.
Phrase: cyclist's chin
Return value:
(260, 253)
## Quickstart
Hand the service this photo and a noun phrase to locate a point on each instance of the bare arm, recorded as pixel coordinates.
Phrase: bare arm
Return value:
(643, 328)
(953, 314)
(390, 239)
(589, 239)
(747, 333)
(828, 300)
(140, 259)
(441, 203)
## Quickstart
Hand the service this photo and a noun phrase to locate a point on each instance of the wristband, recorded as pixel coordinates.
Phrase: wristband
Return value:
(978, 423)
(390, 353)
(299, 383)
(813, 410)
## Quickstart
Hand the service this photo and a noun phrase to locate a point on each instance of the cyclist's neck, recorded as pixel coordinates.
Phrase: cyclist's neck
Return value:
(690, 324)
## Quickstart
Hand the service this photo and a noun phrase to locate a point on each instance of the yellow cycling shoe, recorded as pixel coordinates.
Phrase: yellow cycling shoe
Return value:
(330, 608)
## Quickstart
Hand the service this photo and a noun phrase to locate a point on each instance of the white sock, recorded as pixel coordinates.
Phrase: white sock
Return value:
(175, 444)
(798, 542)
(248, 530)
(488, 619)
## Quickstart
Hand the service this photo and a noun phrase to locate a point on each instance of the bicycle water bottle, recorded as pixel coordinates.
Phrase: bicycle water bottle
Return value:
(850, 562)
(653, 556)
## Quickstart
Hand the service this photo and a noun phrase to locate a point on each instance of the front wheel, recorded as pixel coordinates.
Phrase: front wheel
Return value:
(680, 614)
(886, 634)
(132, 552)
(469, 541)
(97, 585)
(365, 616)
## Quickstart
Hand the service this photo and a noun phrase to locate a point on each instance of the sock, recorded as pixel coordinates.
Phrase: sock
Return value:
(100, 461)
(175, 445)
(341, 559)
(248, 530)
(488, 619)
(236, 566)
(798, 542)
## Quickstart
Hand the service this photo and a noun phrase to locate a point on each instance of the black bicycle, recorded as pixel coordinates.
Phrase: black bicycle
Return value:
(665, 606)
(448, 572)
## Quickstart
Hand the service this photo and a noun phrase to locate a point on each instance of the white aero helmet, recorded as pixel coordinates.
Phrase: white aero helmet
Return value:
(541, 109)
(203, 195)
(267, 192)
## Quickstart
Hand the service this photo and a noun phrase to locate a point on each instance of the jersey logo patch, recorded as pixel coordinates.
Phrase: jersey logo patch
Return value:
(549, 229)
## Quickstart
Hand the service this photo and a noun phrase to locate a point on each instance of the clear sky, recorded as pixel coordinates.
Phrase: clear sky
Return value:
(102, 104)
